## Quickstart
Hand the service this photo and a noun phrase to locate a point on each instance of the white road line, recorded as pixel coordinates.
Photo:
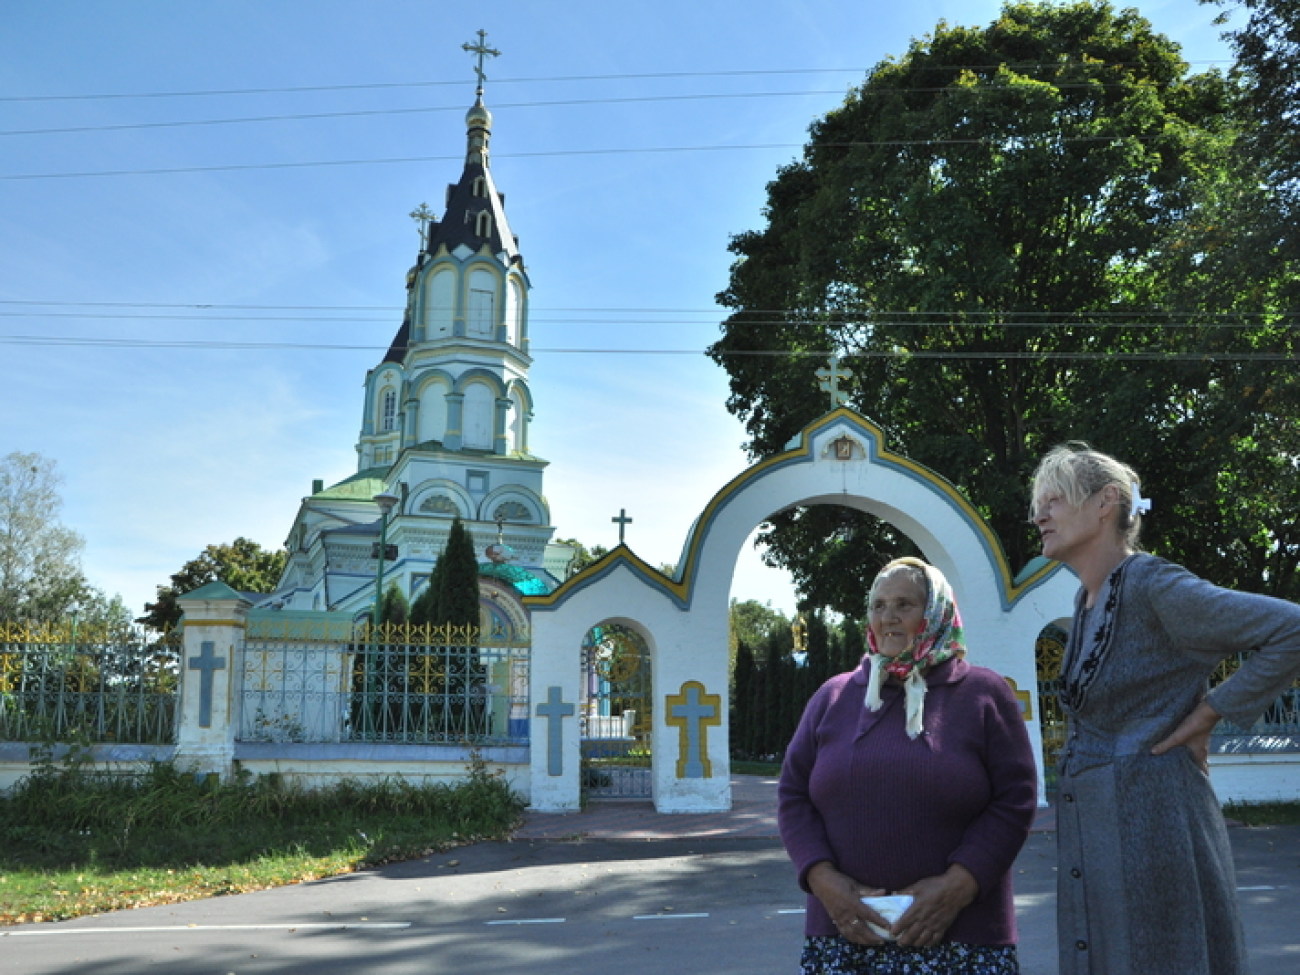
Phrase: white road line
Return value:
(664, 917)
(1260, 887)
(531, 920)
(187, 928)
(793, 910)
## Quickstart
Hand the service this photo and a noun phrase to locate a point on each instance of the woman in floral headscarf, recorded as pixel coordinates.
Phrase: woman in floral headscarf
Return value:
(911, 775)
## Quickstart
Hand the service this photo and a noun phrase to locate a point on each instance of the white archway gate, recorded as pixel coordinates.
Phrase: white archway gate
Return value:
(839, 459)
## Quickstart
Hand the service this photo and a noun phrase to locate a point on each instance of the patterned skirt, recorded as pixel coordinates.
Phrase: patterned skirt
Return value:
(835, 956)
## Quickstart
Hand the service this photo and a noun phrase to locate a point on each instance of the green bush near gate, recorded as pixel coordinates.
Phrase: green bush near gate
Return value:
(74, 841)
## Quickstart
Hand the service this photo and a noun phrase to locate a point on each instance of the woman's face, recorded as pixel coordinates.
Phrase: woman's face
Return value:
(1067, 531)
(897, 613)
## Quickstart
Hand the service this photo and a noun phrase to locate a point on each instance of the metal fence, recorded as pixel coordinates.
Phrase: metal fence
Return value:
(409, 684)
(67, 682)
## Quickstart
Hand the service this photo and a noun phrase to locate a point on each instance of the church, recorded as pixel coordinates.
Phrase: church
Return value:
(445, 425)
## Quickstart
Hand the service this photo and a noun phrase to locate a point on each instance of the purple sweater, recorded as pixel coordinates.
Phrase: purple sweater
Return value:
(889, 810)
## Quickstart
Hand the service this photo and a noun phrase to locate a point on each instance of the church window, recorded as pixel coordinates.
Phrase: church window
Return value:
(512, 511)
(516, 423)
(480, 186)
(439, 302)
(514, 314)
(389, 420)
(483, 224)
(480, 318)
(440, 504)
(478, 414)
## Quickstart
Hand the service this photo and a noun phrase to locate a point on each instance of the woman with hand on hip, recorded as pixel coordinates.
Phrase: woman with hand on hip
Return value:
(1145, 877)
(911, 775)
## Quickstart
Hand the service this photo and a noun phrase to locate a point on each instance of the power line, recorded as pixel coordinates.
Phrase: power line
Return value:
(891, 353)
(459, 83)
(657, 75)
(931, 318)
(558, 103)
(555, 153)
(360, 113)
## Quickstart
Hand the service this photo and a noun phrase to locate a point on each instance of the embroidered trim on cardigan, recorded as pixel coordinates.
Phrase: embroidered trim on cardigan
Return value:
(1076, 681)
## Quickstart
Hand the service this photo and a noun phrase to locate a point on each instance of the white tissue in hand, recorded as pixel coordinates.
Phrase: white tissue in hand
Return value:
(891, 907)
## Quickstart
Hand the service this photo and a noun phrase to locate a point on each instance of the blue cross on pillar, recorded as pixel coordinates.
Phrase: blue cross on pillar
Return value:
(207, 663)
(692, 711)
(554, 710)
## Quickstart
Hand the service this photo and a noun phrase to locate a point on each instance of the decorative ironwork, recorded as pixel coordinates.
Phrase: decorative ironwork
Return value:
(398, 683)
(1049, 654)
(103, 684)
(614, 713)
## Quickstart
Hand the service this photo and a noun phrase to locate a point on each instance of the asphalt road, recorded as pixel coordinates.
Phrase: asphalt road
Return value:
(716, 905)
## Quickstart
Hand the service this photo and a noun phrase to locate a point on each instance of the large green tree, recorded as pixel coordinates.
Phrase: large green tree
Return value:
(983, 233)
(1267, 66)
(243, 565)
(40, 559)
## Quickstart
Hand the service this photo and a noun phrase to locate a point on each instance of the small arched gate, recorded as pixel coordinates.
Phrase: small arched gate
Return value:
(614, 714)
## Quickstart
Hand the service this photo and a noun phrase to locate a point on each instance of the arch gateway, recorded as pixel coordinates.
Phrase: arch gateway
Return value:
(839, 459)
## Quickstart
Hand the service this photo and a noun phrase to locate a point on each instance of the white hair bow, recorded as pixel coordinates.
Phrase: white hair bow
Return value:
(1139, 504)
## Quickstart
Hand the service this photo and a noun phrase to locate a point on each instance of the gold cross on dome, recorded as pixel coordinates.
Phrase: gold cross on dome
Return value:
(482, 50)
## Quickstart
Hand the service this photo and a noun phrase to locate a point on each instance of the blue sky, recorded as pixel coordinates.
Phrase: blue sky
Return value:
(204, 236)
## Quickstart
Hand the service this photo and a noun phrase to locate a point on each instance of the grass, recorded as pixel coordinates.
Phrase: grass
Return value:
(74, 843)
(1263, 813)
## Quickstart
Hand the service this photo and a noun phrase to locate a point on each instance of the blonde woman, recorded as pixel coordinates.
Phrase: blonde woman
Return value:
(1145, 877)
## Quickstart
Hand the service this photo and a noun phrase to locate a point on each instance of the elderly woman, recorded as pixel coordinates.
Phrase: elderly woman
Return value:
(1145, 879)
(911, 775)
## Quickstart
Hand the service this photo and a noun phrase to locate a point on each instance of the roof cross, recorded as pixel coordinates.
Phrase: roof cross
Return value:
(422, 215)
(829, 377)
(482, 50)
(623, 521)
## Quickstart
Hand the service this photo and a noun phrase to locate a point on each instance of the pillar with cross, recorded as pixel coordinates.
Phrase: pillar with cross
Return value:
(693, 712)
(215, 617)
(554, 711)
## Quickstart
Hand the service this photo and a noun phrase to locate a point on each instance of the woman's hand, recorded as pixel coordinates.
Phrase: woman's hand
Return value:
(936, 902)
(841, 895)
(1193, 732)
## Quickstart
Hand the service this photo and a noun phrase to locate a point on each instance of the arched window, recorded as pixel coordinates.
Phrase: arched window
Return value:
(480, 317)
(388, 418)
(476, 424)
(483, 224)
(439, 304)
(514, 314)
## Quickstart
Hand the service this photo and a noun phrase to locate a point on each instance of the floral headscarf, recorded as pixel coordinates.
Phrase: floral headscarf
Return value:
(941, 639)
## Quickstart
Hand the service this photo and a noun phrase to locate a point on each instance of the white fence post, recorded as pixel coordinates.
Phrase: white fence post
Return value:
(211, 655)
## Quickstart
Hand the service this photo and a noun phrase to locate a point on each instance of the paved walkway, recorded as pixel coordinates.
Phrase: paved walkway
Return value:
(752, 815)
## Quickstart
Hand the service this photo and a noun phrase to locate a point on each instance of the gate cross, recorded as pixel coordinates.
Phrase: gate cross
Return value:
(692, 711)
(554, 711)
(207, 663)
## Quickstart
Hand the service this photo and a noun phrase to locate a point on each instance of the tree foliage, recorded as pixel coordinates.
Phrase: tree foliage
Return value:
(452, 595)
(582, 556)
(40, 559)
(1014, 236)
(243, 565)
(1267, 67)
